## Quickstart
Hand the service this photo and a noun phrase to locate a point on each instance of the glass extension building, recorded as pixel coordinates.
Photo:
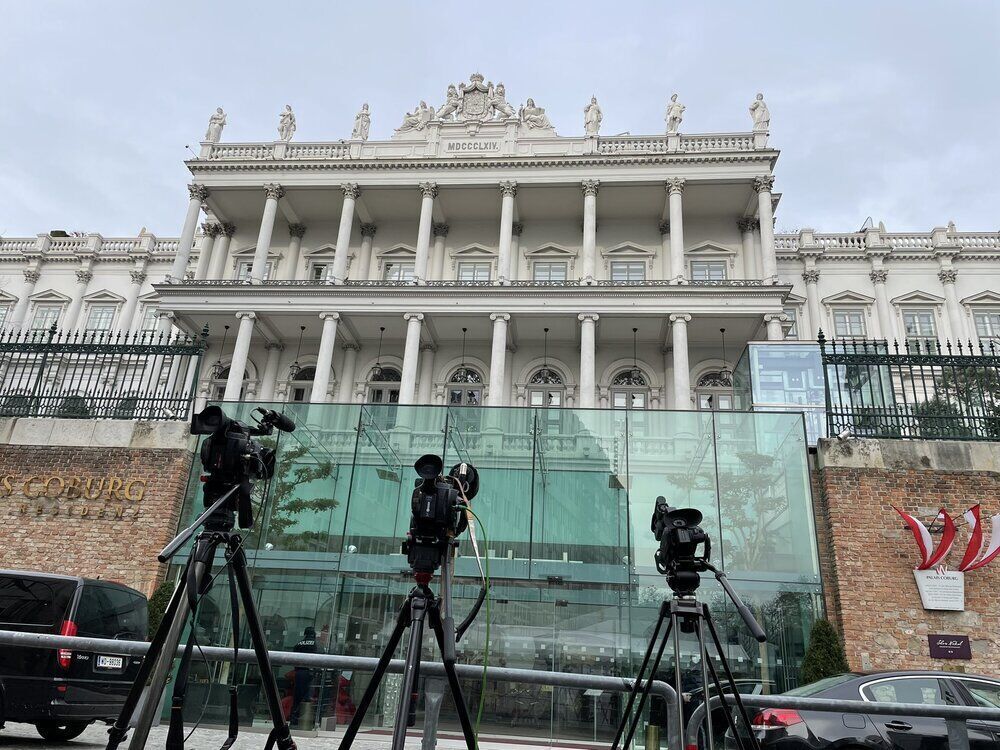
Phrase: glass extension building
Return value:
(566, 497)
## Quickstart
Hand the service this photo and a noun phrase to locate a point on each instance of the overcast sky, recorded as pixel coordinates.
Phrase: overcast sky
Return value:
(889, 110)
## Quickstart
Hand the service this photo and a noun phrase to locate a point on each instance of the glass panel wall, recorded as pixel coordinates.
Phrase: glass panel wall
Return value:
(565, 505)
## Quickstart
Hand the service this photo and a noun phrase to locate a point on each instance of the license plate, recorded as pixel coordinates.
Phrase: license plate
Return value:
(110, 662)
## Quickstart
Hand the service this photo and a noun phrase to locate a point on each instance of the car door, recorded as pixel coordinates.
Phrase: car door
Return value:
(983, 735)
(911, 732)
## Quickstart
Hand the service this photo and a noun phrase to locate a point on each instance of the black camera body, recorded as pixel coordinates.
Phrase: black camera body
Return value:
(685, 547)
(232, 457)
(437, 511)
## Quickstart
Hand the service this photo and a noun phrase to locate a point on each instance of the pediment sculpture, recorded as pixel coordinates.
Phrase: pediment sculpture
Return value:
(475, 101)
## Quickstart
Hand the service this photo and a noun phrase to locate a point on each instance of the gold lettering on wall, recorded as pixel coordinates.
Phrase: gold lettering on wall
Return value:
(116, 497)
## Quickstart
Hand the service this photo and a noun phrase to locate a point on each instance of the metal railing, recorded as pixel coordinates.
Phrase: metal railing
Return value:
(922, 389)
(98, 374)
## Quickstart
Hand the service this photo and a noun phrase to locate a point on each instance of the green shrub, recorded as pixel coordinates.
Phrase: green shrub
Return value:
(158, 605)
(824, 655)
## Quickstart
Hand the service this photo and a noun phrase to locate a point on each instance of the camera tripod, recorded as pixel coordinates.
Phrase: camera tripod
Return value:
(195, 581)
(684, 613)
(421, 604)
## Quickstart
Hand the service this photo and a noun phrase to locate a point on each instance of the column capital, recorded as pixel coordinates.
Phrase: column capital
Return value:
(500, 316)
(763, 183)
(747, 225)
(771, 317)
(674, 185)
(274, 191)
(211, 229)
(32, 276)
(297, 230)
(428, 189)
(197, 192)
(368, 229)
(508, 188)
(137, 276)
(947, 275)
(329, 316)
(275, 346)
(516, 228)
(350, 345)
(680, 318)
(584, 317)
(228, 228)
(245, 315)
(428, 347)
(413, 316)
(83, 276)
(440, 229)
(351, 190)
(811, 275)
(879, 276)
(664, 227)
(590, 187)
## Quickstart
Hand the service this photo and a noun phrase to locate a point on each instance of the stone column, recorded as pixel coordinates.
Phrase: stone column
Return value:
(882, 307)
(429, 191)
(426, 391)
(210, 240)
(746, 227)
(343, 252)
(507, 191)
(217, 269)
(675, 190)
(682, 367)
(270, 377)
(31, 277)
(590, 188)
(274, 193)
(347, 373)
(72, 320)
(440, 233)
(411, 353)
(666, 267)
(811, 277)
(324, 359)
(956, 320)
(127, 320)
(198, 194)
(365, 254)
(241, 350)
(668, 377)
(295, 234)
(498, 360)
(765, 214)
(773, 322)
(588, 359)
(515, 250)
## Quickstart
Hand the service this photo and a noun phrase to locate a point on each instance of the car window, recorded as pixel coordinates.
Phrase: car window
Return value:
(815, 687)
(106, 612)
(24, 601)
(926, 690)
(984, 693)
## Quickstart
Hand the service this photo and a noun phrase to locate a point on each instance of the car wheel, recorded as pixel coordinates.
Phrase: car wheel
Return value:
(61, 731)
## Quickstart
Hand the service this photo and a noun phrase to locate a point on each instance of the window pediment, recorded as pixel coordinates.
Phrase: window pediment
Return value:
(104, 295)
(247, 253)
(848, 298)
(710, 250)
(48, 295)
(474, 250)
(983, 298)
(324, 250)
(627, 250)
(917, 298)
(5, 297)
(398, 251)
(551, 250)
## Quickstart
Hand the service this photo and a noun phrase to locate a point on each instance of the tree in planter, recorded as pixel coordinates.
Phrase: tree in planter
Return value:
(966, 404)
(824, 655)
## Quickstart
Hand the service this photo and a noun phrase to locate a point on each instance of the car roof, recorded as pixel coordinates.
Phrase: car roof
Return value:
(40, 576)
(868, 676)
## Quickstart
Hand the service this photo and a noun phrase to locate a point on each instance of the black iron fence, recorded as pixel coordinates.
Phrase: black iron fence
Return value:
(98, 374)
(922, 389)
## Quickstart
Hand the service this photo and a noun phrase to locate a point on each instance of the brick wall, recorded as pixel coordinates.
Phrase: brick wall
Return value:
(869, 555)
(99, 511)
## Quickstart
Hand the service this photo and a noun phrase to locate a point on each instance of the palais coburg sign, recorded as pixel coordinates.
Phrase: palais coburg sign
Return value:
(67, 494)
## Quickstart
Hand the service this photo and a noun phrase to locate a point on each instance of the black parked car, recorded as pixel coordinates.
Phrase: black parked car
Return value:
(58, 690)
(788, 729)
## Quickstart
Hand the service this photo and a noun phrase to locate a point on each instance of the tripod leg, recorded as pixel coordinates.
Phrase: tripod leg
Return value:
(703, 656)
(671, 627)
(238, 562)
(119, 729)
(418, 609)
(627, 711)
(448, 656)
(732, 684)
(402, 620)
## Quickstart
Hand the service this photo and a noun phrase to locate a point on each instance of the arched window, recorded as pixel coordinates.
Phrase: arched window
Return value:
(630, 390)
(714, 391)
(218, 389)
(546, 388)
(465, 388)
(383, 385)
(300, 386)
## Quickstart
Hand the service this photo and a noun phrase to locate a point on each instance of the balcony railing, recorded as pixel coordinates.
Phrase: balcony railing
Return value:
(461, 283)
(98, 374)
(918, 390)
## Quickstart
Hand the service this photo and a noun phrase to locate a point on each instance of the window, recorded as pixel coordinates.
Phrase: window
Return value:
(150, 320)
(4, 311)
(715, 391)
(988, 328)
(545, 270)
(398, 270)
(546, 388)
(45, 316)
(322, 272)
(244, 267)
(628, 270)
(926, 690)
(474, 271)
(465, 388)
(629, 390)
(849, 324)
(383, 386)
(985, 694)
(921, 334)
(708, 270)
(300, 387)
(218, 389)
(791, 326)
(106, 612)
(100, 317)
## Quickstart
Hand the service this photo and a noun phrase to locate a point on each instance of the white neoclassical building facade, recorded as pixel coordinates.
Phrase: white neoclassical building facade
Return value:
(478, 257)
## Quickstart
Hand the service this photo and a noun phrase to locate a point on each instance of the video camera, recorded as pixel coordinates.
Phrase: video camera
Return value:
(231, 457)
(438, 511)
(679, 535)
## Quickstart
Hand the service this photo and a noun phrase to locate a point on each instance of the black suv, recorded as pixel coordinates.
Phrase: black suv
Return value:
(58, 690)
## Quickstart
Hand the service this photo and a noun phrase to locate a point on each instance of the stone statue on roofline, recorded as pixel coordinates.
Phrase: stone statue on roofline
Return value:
(286, 124)
(533, 117)
(675, 113)
(417, 119)
(497, 98)
(451, 104)
(592, 117)
(215, 125)
(362, 123)
(760, 115)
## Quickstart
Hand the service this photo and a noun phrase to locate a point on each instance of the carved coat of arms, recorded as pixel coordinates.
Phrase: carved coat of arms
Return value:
(474, 100)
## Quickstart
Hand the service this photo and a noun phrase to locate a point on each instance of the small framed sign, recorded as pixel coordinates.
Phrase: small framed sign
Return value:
(941, 589)
(950, 646)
